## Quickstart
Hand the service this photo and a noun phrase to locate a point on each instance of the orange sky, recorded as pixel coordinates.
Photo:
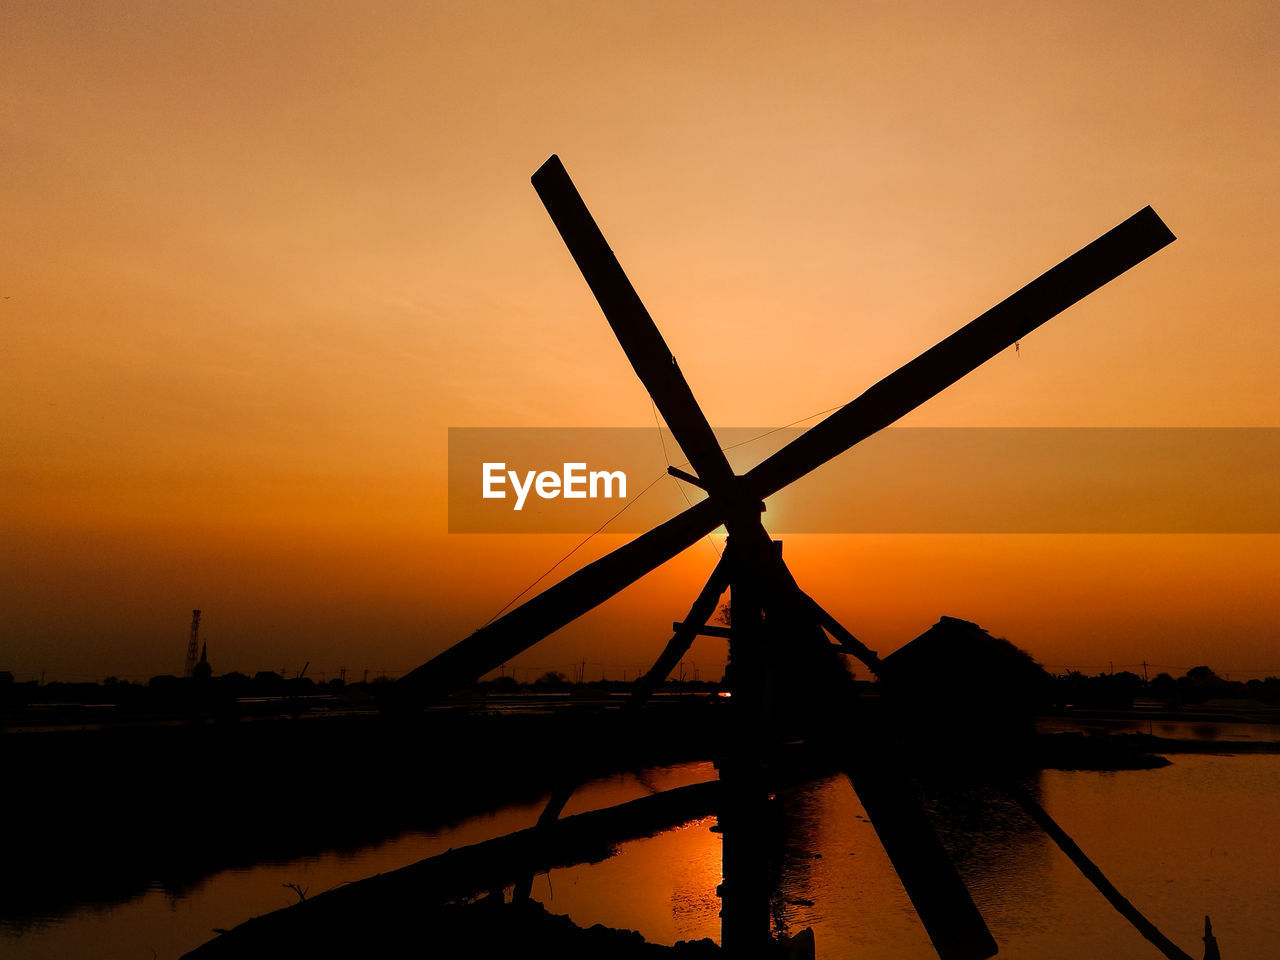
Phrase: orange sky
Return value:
(258, 258)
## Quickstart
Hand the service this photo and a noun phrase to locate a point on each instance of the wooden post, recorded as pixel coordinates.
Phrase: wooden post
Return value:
(744, 910)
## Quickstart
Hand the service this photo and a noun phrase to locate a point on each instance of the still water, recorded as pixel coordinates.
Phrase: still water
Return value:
(1201, 836)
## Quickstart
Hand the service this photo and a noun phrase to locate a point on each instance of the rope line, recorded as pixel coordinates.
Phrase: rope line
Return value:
(582, 543)
(812, 416)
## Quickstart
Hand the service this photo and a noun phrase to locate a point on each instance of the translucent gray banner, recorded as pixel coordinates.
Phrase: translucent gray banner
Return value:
(902, 480)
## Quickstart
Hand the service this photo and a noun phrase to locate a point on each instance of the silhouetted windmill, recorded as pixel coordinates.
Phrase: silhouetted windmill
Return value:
(777, 642)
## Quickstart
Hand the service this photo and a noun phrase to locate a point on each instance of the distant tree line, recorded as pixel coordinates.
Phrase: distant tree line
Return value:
(1108, 690)
(1197, 685)
(553, 681)
(168, 692)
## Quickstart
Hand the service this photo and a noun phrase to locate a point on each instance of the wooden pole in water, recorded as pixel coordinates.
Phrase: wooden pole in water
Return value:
(744, 907)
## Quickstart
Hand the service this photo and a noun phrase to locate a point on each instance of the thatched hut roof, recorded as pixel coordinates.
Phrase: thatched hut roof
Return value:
(957, 659)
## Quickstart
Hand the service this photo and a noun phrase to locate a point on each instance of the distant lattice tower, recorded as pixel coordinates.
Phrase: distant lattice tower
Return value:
(193, 645)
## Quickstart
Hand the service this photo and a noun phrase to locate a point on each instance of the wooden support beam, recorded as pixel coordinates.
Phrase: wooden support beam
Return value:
(686, 477)
(685, 631)
(846, 642)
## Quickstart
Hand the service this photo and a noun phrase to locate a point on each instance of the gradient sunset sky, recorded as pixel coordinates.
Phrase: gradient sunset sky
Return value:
(258, 257)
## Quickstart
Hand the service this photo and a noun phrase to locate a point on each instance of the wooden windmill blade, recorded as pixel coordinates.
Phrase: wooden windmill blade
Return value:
(636, 332)
(1116, 251)
(581, 591)
(685, 631)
